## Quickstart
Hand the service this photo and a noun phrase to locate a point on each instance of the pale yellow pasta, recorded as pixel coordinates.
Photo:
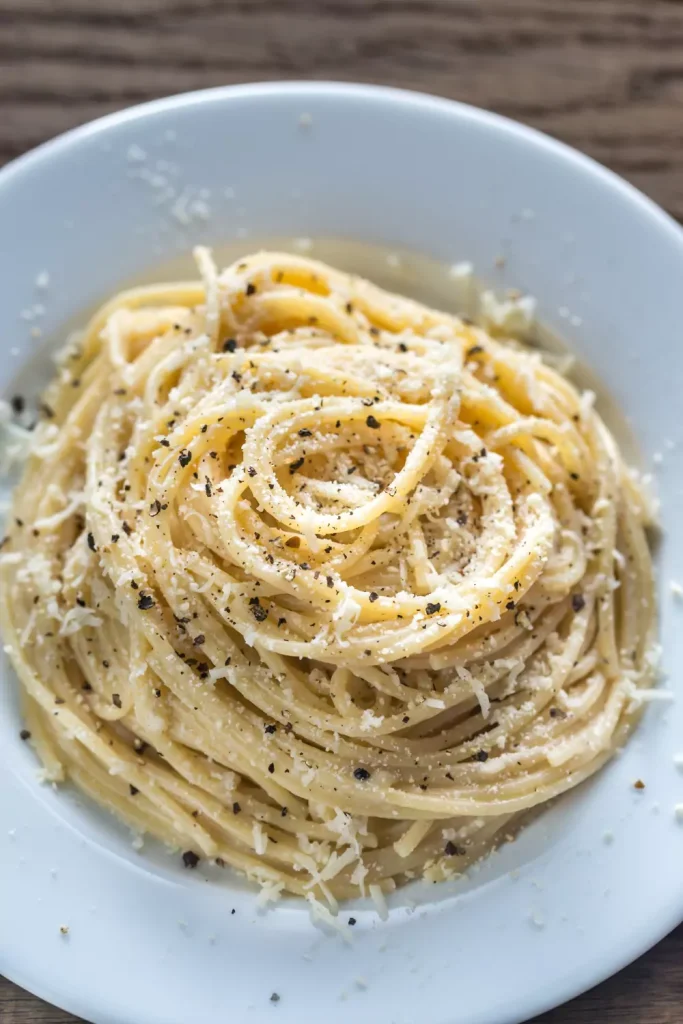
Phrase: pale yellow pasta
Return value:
(313, 580)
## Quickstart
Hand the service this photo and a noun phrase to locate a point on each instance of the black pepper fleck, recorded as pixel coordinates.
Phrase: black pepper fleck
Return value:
(259, 613)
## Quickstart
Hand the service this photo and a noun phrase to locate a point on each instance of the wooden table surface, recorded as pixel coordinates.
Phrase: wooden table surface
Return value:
(604, 75)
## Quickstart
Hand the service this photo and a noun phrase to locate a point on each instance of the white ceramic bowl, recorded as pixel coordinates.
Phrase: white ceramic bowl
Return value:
(560, 909)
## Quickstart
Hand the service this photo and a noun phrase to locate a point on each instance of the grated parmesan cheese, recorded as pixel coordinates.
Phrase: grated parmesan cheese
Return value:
(512, 315)
(78, 618)
(260, 838)
(482, 696)
(271, 892)
(379, 900)
(320, 914)
(369, 721)
(459, 270)
(345, 616)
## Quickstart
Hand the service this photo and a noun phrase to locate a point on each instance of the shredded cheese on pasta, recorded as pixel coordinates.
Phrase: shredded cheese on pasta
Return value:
(313, 580)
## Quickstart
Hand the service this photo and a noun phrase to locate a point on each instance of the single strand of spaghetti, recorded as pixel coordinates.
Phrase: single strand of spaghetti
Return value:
(212, 312)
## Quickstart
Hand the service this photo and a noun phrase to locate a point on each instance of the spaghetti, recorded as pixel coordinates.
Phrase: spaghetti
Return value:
(322, 584)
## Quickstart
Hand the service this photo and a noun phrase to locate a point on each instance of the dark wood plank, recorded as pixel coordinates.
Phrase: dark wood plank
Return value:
(604, 75)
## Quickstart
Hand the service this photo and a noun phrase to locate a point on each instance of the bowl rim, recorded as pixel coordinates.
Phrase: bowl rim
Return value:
(407, 98)
(414, 102)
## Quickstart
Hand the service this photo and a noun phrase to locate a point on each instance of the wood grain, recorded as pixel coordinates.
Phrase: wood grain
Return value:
(606, 76)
